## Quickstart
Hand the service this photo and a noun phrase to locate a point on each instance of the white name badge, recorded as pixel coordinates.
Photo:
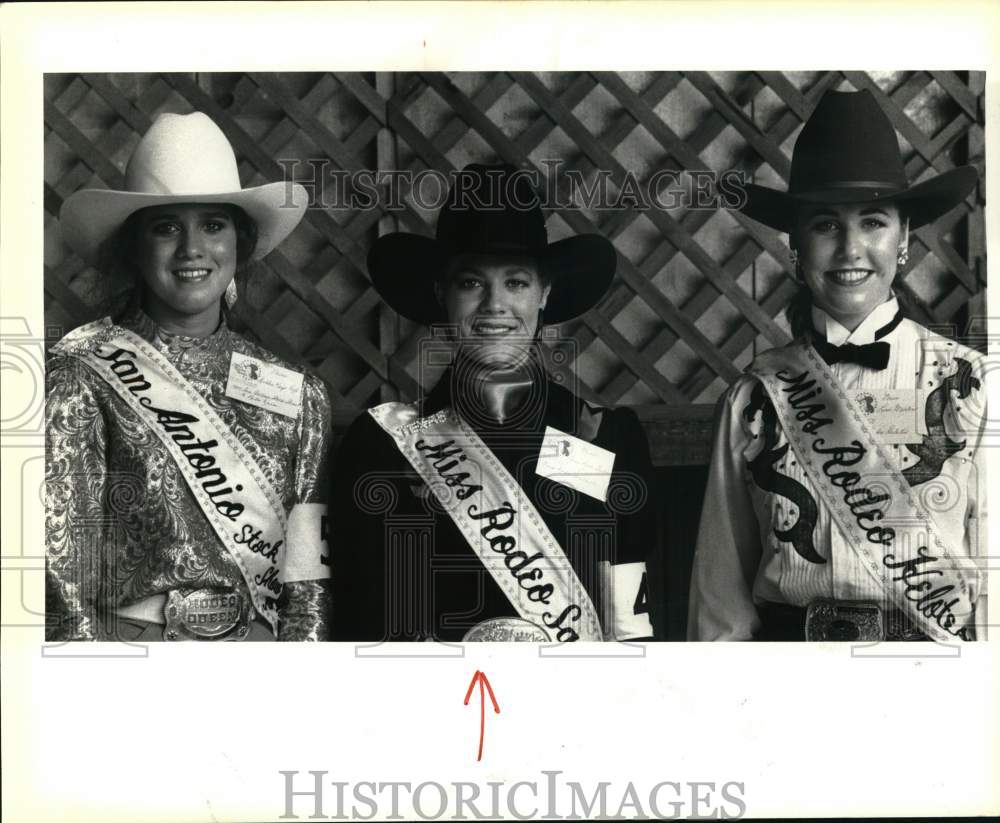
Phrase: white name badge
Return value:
(625, 596)
(897, 415)
(575, 463)
(265, 385)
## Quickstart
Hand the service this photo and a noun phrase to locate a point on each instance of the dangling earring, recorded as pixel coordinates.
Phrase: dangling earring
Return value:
(231, 293)
(793, 258)
(902, 257)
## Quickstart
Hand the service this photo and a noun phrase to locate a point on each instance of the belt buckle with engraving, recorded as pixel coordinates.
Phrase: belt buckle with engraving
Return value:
(844, 620)
(506, 630)
(207, 614)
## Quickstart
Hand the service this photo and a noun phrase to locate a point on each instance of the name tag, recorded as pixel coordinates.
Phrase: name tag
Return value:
(575, 463)
(897, 415)
(625, 596)
(307, 555)
(265, 385)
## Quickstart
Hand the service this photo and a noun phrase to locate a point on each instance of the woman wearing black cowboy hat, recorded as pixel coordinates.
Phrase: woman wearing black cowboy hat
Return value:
(843, 500)
(500, 506)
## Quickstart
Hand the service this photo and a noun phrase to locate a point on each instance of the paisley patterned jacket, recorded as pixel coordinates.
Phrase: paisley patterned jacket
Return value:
(121, 523)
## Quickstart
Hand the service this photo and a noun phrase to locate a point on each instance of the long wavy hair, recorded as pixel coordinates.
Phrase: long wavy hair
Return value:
(121, 288)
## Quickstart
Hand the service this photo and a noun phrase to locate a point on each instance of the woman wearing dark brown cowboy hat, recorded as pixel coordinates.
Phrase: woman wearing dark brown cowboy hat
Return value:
(185, 474)
(843, 500)
(500, 506)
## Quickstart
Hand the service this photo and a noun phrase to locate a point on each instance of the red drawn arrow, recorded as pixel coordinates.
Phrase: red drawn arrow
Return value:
(482, 680)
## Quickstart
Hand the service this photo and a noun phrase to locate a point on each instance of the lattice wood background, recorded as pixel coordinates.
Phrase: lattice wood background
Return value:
(699, 292)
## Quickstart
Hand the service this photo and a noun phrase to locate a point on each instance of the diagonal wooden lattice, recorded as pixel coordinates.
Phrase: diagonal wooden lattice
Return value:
(699, 289)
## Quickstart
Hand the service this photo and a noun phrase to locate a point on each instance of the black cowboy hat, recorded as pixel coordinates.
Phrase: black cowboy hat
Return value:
(847, 152)
(491, 210)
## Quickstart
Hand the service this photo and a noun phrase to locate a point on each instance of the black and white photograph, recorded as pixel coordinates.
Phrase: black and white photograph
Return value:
(509, 285)
(597, 436)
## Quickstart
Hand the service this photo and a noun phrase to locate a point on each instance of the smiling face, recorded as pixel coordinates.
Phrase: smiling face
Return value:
(494, 301)
(847, 255)
(186, 256)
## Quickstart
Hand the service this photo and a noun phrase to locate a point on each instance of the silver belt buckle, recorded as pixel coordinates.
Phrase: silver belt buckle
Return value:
(844, 620)
(207, 614)
(506, 629)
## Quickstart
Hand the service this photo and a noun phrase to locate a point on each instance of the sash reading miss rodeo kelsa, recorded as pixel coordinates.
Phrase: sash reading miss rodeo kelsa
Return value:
(883, 521)
(232, 491)
(496, 517)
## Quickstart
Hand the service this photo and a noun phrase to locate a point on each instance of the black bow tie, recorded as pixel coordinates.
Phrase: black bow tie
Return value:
(871, 355)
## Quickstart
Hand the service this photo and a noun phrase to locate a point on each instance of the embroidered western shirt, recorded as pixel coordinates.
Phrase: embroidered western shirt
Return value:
(122, 524)
(739, 561)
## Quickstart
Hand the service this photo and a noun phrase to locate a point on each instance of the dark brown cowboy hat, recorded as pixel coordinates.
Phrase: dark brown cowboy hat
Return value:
(491, 210)
(847, 152)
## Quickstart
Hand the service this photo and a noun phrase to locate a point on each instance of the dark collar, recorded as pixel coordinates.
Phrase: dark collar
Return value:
(889, 327)
(555, 406)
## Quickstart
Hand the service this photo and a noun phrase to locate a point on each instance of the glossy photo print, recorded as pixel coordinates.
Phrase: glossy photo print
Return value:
(498, 410)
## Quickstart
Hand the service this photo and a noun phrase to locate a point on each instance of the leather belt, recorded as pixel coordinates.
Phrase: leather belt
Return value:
(834, 620)
(196, 614)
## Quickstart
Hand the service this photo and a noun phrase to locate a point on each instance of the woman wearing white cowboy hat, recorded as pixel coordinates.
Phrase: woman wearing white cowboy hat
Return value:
(843, 500)
(500, 506)
(185, 473)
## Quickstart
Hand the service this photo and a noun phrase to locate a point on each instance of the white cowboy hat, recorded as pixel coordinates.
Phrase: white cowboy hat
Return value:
(183, 158)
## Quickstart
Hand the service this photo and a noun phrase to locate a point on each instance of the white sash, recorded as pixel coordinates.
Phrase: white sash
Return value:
(891, 532)
(233, 493)
(496, 517)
